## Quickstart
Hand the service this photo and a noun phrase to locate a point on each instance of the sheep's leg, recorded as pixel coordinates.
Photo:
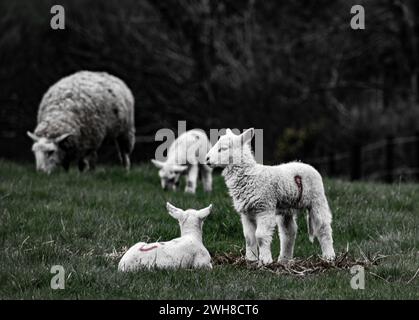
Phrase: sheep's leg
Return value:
(287, 229)
(249, 230)
(92, 160)
(118, 149)
(265, 226)
(83, 164)
(206, 178)
(320, 220)
(66, 164)
(192, 179)
(125, 146)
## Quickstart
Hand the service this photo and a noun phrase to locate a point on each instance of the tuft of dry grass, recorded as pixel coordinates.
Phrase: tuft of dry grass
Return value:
(300, 267)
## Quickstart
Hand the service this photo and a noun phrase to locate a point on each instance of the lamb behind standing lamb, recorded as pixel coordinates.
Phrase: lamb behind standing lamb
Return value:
(188, 251)
(186, 155)
(75, 116)
(269, 195)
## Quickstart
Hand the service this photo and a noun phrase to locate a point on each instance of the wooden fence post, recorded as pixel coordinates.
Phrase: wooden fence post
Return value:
(356, 166)
(389, 159)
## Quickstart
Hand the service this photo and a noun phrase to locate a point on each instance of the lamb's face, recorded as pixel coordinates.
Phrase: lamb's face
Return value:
(228, 149)
(169, 174)
(48, 154)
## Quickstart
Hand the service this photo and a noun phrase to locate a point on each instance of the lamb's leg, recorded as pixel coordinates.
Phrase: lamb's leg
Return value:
(202, 261)
(287, 229)
(320, 219)
(249, 229)
(206, 178)
(265, 226)
(192, 179)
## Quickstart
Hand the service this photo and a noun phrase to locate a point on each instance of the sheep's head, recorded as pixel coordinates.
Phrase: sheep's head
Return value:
(190, 220)
(169, 174)
(229, 149)
(48, 153)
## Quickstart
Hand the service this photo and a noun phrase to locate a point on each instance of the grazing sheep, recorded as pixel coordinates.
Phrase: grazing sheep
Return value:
(75, 116)
(186, 155)
(188, 251)
(269, 195)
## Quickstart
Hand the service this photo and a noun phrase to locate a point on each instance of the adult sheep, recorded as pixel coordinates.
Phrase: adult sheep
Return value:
(76, 114)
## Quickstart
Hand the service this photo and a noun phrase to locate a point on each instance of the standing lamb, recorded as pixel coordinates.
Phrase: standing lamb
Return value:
(186, 155)
(269, 195)
(76, 114)
(188, 251)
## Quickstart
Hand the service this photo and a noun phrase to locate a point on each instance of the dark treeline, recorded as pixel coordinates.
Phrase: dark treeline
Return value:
(294, 68)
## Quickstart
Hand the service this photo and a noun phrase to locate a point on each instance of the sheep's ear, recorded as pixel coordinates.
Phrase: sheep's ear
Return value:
(178, 168)
(33, 136)
(174, 212)
(158, 164)
(247, 135)
(203, 213)
(62, 138)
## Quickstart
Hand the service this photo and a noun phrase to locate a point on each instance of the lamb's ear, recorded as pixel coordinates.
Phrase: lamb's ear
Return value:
(157, 163)
(174, 212)
(62, 138)
(203, 213)
(247, 135)
(178, 168)
(33, 136)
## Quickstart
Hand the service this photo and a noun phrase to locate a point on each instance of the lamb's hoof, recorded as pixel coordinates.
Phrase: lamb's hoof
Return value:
(251, 259)
(264, 262)
(329, 257)
(285, 261)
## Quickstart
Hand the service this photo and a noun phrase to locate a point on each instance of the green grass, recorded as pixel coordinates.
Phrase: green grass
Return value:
(75, 220)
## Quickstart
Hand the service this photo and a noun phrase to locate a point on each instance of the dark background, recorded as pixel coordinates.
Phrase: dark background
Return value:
(293, 68)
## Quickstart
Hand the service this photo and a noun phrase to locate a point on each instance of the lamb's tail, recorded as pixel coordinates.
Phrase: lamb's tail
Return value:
(310, 227)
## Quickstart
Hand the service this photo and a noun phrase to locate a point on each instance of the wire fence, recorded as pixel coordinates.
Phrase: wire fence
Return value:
(391, 159)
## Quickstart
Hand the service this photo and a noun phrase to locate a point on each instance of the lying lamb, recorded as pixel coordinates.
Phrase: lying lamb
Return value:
(186, 155)
(188, 251)
(263, 194)
(75, 116)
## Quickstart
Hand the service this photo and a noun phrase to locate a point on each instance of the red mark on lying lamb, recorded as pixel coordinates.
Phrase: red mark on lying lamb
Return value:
(147, 249)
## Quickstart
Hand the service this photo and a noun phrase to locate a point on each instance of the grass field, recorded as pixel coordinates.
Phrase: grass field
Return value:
(77, 220)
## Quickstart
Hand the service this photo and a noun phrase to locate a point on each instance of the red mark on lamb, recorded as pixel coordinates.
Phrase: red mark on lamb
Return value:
(299, 182)
(147, 249)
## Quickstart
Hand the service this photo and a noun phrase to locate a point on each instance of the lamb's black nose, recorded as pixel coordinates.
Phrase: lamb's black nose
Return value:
(207, 160)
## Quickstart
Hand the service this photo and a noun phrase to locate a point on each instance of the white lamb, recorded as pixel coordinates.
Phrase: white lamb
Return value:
(269, 195)
(186, 155)
(188, 251)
